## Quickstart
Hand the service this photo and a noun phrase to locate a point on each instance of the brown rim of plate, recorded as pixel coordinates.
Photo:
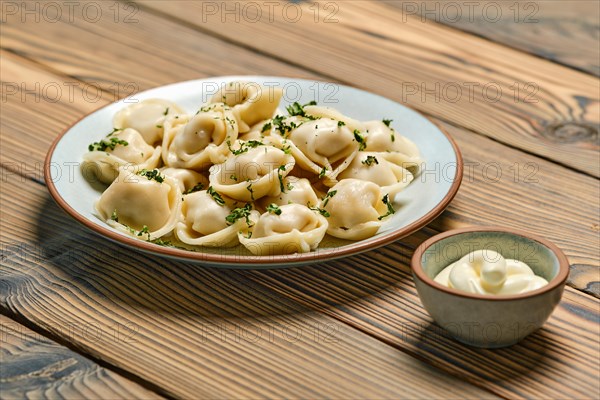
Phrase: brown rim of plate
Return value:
(318, 255)
(559, 279)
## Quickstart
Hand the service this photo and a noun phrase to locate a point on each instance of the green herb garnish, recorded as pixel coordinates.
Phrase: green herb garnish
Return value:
(238, 213)
(328, 196)
(249, 188)
(390, 208)
(360, 139)
(244, 147)
(370, 160)
(114, 131)
(274, 209)
(321, 211)
(298, 109)
(216, 196)
(341, 123)
(387, 122)
(266, 127)
(103, 144)
(197, 188)
(279, 171)
(152, 174)
(114, 216)
(323, 172)
(166, 111)
(144, 231)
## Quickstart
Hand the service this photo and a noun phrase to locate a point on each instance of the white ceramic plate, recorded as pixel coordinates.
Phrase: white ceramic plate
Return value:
(424, 199)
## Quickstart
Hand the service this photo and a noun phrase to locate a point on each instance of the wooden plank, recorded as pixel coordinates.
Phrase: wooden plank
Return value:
(562, 31)
(375, 293)
(34, 366)
(174, 306)
(502, 93)
(122, 61)
(194, 332)
(516, 183)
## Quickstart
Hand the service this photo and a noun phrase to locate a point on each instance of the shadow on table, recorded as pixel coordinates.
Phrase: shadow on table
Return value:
(376, 284)
(434, 344)
(113, 273)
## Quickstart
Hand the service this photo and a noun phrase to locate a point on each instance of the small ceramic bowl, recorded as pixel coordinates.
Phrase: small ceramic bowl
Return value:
(489, 321)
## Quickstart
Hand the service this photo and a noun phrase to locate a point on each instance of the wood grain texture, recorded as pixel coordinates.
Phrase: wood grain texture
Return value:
(564, 31)
(512, 97)
(35, 367)
(373, 292)
(179, 326)
(203, 318)
(195, 332)
(515, 182)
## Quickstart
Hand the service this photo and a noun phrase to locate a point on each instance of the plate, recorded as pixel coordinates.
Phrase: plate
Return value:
(424, 199)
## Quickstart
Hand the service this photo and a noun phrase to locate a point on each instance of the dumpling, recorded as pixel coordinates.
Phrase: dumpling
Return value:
(291, 228)
(147, 117)
(356, 209)
(120, 148)
(188, 181)
(323, 146)
(252, 173)
(251, 102)
(295, 190)
(375, 167)
(198, 141)
(256, 132)
(208, 219)
(382, 138)
(144, 204)
(331, 113)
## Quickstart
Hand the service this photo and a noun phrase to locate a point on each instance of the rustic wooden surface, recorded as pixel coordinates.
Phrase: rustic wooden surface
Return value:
(34, 366)
(350, 328)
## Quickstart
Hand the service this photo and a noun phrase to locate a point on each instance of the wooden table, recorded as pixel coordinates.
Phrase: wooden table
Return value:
(83, 317)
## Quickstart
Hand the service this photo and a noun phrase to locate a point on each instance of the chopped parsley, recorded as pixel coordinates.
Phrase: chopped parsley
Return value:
(162, 242)
(360, 139)
(216, 196)
(233, 177)
(114, 216)
(249, 188)
(290, 186)
(387, 123)
(159, 126)
(390, 208)
(328, 196)
(152, 174)
(238, 213)
(323, 172)
(166, 111)
(266, 127)
(321, 211)
(244, 147)
(274, 209)
(279, 171)
(370, 160)
(199, 186)
(144, 231)
(287, 149)
(103, 145)
(281, 126)
(341, 123)
(115, 130)
(298, 109)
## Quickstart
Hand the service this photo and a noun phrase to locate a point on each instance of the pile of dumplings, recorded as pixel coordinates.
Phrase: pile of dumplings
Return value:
(241, 171)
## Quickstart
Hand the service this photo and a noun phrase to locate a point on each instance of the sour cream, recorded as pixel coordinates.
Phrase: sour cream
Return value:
(487, 272)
